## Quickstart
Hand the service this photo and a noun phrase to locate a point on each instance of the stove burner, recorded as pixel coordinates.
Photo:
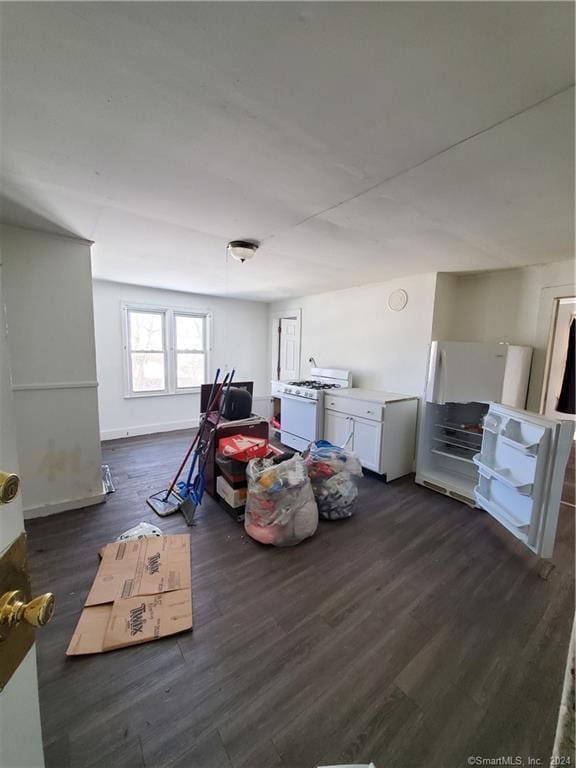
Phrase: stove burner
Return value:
(312, 384)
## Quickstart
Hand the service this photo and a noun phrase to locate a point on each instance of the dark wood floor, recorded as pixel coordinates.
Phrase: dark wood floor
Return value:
(417, 633)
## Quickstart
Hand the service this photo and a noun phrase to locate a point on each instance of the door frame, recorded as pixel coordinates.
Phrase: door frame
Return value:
(556, 302)
(275, 317)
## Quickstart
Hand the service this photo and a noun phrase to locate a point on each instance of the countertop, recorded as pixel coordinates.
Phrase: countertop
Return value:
(370, 395)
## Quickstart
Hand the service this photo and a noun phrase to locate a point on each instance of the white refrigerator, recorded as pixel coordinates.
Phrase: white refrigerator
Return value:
(479, 446)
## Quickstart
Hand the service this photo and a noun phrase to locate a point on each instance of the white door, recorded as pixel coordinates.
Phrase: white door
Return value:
(367, 442)
(337, 428)
(465, 372)
(289, 349)
(20, 732)
(521, 473)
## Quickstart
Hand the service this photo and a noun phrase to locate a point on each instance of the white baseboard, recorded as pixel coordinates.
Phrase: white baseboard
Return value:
(261, 405)
(63, 506)
(147, 429)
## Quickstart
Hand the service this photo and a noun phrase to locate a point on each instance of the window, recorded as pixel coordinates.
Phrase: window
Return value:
(147, 351)
(166, 350)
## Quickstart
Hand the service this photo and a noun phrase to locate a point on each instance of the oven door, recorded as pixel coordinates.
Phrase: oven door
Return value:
(300, 421)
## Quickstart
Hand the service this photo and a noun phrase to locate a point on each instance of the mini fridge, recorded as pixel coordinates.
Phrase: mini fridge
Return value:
(479, 446)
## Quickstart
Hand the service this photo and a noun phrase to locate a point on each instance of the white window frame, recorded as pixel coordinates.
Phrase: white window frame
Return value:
(169, 315)
(187, 313)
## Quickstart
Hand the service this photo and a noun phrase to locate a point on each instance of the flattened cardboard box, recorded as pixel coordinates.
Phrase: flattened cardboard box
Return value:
(142, 591)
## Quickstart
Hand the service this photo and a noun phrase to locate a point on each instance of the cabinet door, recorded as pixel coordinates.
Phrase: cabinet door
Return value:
(367, 442)
(337, 427)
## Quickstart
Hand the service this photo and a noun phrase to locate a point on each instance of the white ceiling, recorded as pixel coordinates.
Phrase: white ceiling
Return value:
(358, 141)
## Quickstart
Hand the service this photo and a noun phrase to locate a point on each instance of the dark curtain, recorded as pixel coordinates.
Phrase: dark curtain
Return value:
(566, 401)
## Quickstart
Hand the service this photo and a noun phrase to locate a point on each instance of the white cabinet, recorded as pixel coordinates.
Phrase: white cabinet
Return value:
(337, 427)
(367, 442)
(380, 428)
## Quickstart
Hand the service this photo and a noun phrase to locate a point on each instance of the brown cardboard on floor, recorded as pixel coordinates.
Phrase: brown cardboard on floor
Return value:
(142, 592)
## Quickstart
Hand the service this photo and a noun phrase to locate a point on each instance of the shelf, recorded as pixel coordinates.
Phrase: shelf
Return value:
(456, 428)
(450, 482)
(509, 519)
(458, 443)
(440, 452)
(528, 449)
(504, 476)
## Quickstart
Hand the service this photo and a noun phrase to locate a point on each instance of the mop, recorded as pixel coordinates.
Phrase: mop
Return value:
(192, 491)
(167, 501)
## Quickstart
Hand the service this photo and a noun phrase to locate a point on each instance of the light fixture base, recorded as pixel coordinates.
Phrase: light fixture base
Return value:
(242, 250)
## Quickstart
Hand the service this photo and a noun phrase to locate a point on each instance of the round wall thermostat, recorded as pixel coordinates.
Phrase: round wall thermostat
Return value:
(398, 300)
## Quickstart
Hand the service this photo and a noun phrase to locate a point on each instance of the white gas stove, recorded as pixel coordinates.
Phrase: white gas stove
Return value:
(302, 414)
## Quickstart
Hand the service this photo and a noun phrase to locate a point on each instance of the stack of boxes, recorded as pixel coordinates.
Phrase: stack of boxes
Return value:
(233, 455)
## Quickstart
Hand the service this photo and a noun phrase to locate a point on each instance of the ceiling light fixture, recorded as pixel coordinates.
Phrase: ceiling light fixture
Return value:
(242, 250)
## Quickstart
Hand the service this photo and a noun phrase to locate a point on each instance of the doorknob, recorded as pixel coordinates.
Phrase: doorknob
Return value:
(37, 612)
(9, 485)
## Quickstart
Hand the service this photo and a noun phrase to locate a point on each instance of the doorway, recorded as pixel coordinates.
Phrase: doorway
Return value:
(558, 392)
(285, 346)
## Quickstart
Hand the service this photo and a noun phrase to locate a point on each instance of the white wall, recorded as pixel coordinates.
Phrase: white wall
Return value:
(20, 731)
(355, 329)
(48, 298)
(239, 340)
(509, 305)
(444, 306)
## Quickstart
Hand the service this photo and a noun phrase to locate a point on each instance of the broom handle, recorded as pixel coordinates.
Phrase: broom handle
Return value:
(227, 382)
(211, 400)
(201, 431)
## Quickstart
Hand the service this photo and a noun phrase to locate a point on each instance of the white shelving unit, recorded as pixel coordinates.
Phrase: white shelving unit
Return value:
(451, 437)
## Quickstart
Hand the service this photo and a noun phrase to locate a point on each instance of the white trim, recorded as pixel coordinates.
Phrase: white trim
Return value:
(147, 429)
(163, 393)
(168, 426)
(63, 506)
(556, 303)
(169, 315)
(55, 385)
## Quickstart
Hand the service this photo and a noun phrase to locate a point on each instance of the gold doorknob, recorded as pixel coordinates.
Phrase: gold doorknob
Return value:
(37, 612)
(9, 485)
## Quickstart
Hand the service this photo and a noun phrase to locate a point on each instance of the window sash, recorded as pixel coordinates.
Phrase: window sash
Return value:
(162, 315)
(199, 354)
(191, 350)
(153, 354)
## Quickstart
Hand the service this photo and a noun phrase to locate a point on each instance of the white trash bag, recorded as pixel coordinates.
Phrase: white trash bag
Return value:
(334, 473)
(280, 507)
(140, 531)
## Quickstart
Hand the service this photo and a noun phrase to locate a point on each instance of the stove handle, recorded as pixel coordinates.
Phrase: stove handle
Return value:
(300, 399)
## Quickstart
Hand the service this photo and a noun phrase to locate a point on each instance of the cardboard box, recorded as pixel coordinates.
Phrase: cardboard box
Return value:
(242, 447)
(235, 497)
(142, 591)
